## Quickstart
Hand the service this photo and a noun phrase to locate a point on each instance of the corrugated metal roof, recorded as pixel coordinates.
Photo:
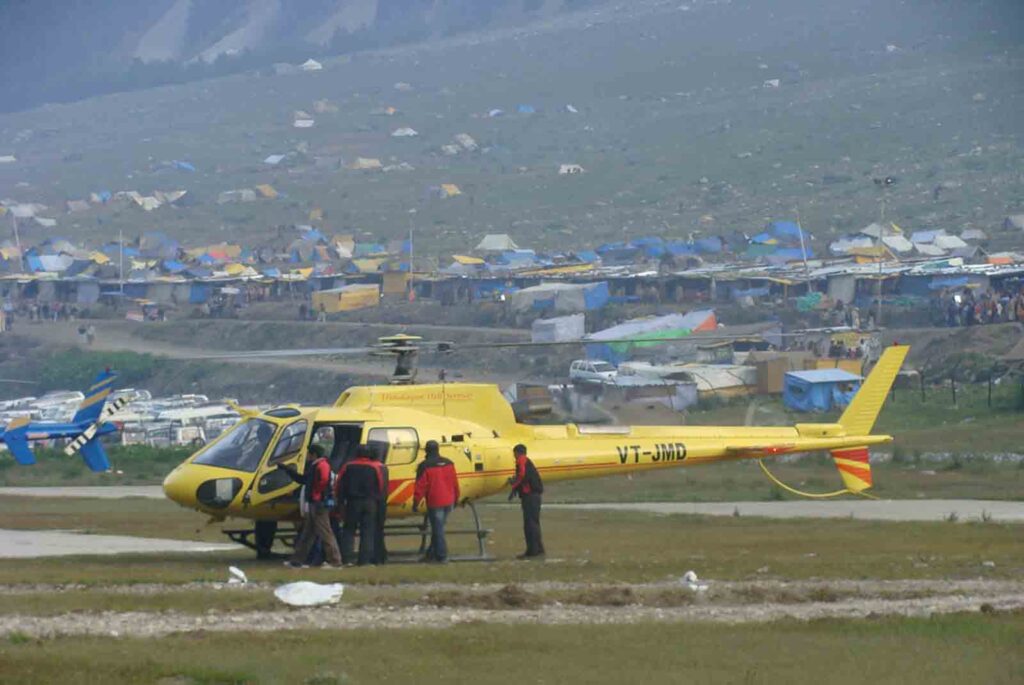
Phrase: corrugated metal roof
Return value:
(825, 376)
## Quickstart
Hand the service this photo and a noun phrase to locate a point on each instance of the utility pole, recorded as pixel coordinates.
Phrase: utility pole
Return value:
(17, 243)
(881, 249)
(803, 248)
(120, 261)
(412, 271)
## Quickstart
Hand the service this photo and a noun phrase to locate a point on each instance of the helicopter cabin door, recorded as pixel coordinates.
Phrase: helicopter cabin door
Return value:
(272, 485)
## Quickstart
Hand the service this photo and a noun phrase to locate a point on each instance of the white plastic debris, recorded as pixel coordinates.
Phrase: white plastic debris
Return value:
(691, 581)
(307, 594)
(238, 576)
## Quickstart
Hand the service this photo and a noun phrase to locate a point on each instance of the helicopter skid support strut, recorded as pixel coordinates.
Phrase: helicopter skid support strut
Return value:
(261, 539)
(422, 530)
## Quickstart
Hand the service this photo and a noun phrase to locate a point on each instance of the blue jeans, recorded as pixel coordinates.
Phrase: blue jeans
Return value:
(438, 546)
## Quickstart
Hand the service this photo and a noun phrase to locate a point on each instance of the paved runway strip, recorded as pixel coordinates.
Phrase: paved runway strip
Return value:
(879, 510)
(25, 544)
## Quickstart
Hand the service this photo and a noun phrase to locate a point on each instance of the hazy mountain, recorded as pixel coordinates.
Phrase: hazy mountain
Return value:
(61, 51)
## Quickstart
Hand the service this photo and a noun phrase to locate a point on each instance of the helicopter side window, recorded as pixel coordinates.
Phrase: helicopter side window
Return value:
(289, 443)
(397, 445)
(241, 448)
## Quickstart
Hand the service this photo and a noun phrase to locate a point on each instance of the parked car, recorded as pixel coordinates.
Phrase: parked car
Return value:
(592, 371)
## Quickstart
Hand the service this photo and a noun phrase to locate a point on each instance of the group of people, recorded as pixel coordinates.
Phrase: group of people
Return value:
(964, 308)
(308, 312)
(337, 506)
(849, 315)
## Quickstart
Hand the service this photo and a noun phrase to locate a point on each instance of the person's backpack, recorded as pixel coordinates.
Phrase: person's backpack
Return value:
(533, 478)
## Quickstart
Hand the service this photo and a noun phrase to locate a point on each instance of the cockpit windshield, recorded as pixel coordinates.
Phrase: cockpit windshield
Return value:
(241, 448)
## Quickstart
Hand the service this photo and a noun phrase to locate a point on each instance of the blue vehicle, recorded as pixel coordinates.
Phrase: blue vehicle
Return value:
(86, 427)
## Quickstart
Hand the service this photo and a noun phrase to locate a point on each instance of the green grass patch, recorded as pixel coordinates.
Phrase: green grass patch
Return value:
(945, 649)
(583, 546)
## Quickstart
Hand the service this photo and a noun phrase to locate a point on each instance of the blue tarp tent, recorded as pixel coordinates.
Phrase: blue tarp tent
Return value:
(948, 282)
(526, 109)
(708, 245)
(678, 249)
(819, 390)
(785, 229)
(198, 293)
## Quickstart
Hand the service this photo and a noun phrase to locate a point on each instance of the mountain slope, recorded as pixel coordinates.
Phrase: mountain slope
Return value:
(673, 123)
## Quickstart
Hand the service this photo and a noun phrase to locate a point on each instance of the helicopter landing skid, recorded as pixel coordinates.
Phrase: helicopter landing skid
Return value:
(262, 537)
(422, 530)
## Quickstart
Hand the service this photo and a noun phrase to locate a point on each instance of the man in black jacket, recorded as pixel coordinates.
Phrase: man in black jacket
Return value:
(360, 488)
(527, 484)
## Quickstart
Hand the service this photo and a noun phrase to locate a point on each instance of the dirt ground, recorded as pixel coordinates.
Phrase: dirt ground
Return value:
(442, 606)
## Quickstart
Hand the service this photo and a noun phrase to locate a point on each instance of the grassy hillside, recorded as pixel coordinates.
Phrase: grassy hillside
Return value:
(674, 128)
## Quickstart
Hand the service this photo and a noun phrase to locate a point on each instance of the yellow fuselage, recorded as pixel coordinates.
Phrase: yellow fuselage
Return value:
(476, 429)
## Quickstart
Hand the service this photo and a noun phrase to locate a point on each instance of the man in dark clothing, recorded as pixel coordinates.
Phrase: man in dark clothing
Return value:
(360, 488)
(317, 496)
(528, 485)
(438, 483)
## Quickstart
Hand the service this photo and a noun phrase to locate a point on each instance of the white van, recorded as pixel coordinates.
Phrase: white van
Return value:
(592, 371)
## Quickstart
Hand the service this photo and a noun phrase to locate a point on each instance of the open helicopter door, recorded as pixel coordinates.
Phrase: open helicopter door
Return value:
(273, 486)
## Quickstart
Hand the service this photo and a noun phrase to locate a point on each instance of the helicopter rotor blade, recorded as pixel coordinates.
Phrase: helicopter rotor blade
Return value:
(300, 352)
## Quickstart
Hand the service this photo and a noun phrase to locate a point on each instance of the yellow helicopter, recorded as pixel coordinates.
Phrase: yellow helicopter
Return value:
(237, 474)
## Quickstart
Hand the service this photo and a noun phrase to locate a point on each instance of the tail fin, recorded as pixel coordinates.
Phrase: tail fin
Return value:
(95, 396)
(859, 417)
(94, 456)
(17, 442)
(854, 467)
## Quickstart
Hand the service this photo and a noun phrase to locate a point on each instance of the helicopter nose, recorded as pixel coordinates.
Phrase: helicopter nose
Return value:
(178, 487)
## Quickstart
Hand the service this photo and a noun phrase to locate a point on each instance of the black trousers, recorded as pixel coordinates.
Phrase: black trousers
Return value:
(361, 514)
(531, 524)
(380, 551)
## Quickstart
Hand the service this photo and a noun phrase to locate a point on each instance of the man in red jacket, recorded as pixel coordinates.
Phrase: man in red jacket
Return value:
(438, 483)
(317, 522)
(528, 485)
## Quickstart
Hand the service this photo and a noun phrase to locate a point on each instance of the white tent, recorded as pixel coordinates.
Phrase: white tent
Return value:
(949, 242)
(273, 160)
(929, 250)
(898, 243)
(496, 242)
(558, 329)
(974, 234)
(404, 132)
(311, 65)
(466, 141)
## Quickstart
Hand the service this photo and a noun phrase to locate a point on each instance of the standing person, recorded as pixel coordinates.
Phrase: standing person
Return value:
(528, 485)
(321, 315)
(438, 483)
(90, 334)
(360, 488)
(317, 496)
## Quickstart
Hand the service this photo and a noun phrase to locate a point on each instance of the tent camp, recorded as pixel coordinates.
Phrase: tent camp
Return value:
(562, 297)
(496, 242)
(820, 390)
(646, 332)
(347, 298)
(558, 329)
